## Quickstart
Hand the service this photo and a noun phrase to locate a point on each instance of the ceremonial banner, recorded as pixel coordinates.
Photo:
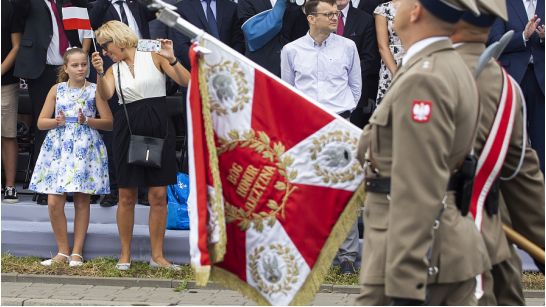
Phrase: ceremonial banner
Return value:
(76, 18)
(273, 180)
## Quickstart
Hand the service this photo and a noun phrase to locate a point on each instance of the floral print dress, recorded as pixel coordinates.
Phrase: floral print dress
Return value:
(388, 11)
(73, 157)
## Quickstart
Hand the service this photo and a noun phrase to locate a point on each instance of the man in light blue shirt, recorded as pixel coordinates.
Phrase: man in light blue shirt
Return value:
(326, 67)
(323, 65)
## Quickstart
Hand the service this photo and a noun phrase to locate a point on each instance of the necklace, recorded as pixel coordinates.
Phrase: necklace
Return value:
(68, 94)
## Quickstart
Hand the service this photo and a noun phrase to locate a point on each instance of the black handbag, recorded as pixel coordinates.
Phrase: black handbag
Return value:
(143, 150)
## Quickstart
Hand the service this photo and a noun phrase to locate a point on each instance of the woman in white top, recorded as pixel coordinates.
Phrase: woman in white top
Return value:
(142, 78)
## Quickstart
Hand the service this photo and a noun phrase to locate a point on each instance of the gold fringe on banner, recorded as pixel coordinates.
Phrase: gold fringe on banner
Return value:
(315, 279)
(201, 274)
(229, 280)
(337, 236)
(218, 250)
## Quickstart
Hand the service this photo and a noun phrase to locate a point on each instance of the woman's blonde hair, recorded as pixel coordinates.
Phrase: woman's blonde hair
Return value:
(62, 76)
(119, 33)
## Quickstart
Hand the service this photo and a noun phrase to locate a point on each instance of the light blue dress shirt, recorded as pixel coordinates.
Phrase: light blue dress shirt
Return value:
(330, 73)
(212, 7)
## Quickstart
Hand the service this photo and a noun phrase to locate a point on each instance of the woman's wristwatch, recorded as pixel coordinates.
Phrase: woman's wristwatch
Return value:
(102, 75)
(175, 61)
(86, 120)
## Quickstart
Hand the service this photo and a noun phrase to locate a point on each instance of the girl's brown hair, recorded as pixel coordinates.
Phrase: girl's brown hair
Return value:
(62, 76)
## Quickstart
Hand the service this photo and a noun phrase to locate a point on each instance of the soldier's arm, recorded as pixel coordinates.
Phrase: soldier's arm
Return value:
(524, 195)
(420, 174)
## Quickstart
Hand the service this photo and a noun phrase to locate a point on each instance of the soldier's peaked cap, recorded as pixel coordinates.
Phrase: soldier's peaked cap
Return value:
(450, 10)
(490, 10)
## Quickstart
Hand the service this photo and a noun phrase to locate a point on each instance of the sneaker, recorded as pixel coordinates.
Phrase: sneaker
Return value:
(42, 199)
(143, 200)
(347, 267)
(109, 200)
(10, 195)
(94, 199)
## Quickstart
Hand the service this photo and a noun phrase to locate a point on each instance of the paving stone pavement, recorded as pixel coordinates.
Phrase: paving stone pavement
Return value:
(46, 294)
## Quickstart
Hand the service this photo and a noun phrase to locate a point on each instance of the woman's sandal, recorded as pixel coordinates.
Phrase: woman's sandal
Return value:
(123, 266)
(174, 267)
(76, 263)
(50, 261)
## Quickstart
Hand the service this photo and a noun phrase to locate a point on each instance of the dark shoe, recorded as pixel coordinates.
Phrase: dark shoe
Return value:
(42, 199)
(70, 198)
(109, 200)
(143, 200)
(94, 199)
(347, 267)
(10, 195)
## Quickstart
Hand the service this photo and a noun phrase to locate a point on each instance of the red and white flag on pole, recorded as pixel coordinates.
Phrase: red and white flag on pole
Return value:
(273, 177)
(76, 18)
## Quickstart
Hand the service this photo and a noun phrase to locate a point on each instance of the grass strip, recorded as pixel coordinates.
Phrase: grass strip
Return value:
(105, 267)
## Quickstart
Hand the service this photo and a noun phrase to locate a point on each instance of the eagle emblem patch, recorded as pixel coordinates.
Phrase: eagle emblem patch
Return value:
(421, 111)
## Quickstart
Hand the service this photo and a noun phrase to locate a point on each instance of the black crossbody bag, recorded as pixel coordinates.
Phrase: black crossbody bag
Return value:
(143, 150)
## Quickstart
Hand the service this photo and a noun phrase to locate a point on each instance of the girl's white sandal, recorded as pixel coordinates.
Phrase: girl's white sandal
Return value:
(51, 261)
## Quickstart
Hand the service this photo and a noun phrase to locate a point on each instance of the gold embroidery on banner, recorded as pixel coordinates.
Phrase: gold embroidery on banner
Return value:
(325, 139)
(276, 282)
(253, 193)
(225, 72)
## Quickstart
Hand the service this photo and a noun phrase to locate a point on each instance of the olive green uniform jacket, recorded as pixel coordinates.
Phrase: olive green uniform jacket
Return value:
(420, 156)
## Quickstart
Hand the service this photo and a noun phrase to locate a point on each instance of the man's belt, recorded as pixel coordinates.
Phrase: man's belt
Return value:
(383, 184)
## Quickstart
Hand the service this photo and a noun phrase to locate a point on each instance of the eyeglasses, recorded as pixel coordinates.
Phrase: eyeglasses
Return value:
(330, 15)
(103, 46)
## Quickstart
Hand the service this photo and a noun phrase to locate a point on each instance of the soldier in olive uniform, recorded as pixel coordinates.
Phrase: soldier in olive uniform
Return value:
(525, 190)
(416, 140)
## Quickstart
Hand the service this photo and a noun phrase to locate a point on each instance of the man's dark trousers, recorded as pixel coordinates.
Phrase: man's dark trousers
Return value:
(535, 112)
(37, 92)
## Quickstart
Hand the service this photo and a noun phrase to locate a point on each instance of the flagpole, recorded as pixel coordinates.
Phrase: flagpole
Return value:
(172, 19)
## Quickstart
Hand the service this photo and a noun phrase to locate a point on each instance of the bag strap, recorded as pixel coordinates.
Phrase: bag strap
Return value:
(125, 107)
(123, 101)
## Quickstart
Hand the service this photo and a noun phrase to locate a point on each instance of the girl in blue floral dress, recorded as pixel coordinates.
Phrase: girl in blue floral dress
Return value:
(73, 157)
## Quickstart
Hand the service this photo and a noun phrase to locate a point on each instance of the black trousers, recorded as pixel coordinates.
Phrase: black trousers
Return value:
(37, 92)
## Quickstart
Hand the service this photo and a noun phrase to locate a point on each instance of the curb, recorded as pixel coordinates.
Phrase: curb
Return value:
(157, 283)
(48, 302)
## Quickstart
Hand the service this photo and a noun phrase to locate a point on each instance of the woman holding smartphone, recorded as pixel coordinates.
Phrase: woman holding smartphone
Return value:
(140, 76)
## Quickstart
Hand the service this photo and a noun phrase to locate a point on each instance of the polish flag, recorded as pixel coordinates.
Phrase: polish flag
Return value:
(274, 183)
(76, 18)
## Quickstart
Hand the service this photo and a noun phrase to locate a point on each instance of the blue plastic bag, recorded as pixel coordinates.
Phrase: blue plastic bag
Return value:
(177, 206)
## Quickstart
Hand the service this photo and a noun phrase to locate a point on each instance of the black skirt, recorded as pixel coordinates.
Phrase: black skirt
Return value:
(148, 117)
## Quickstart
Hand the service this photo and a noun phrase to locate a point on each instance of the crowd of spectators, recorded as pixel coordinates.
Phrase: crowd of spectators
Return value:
(353, 39)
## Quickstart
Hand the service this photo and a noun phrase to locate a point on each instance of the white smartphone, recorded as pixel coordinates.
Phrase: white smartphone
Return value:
(149, 45)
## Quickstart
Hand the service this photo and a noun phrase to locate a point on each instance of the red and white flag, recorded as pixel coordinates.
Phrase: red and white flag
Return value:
(76, 18)
(273, 177)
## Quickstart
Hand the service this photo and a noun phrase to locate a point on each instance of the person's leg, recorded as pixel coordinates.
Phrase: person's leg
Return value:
(108, 138)
(37, 92)
(157, 222)
(535, 113)
(348, 251)
(55, 206)
(488, 298)
(10, 155)
(453, 294)
(507, 280)
(81, 222)
(126, 220)
(10, 152)
(372, 295)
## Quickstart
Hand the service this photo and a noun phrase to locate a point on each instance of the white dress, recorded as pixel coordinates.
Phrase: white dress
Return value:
(73, 157)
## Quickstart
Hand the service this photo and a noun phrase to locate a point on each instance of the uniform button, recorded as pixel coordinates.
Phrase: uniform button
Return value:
(532, 48)
(51, 36)
(419, 286)
(278, 51)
